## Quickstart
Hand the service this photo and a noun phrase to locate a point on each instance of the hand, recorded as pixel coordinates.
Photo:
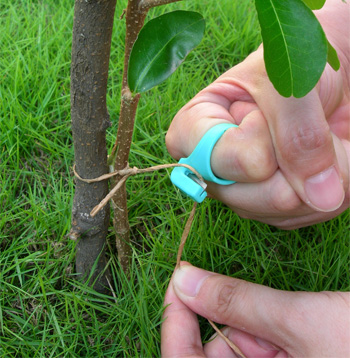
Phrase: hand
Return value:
(289, 156)
(261, 321)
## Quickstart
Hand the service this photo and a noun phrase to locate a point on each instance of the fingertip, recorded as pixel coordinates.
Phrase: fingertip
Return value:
(180, 334)
(183, 263)
(170, 295)
(187, 280)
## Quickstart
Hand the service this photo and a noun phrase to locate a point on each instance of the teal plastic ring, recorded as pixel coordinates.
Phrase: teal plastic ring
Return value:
(201, 156)
(200, 160)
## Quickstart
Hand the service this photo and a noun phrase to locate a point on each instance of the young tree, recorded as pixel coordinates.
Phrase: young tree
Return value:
(92, 30)
(151, 55)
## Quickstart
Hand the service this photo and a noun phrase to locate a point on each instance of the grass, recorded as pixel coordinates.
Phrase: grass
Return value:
(44, 310)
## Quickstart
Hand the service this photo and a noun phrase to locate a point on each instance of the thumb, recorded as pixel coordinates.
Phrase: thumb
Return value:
(301, 137)
(305, 151)
(289, 320)
(235, 303)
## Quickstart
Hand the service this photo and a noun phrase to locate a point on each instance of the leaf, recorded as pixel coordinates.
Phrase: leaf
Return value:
(332, 57)
(314, 4)
(295, 46)
(162, 45)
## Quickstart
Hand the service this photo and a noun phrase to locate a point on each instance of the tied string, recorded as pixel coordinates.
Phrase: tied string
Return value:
(125, 174)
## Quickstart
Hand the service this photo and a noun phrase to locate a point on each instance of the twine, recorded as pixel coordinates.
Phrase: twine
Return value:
(125, 174)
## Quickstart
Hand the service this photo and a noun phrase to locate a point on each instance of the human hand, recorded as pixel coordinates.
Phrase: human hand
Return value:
(260, 321)
(290, 157)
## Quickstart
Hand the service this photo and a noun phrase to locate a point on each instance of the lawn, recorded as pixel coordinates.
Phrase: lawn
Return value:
(44, 310)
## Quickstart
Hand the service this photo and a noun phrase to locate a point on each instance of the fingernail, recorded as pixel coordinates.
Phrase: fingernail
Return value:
(325, 190)
(189, 279)
(265, 345)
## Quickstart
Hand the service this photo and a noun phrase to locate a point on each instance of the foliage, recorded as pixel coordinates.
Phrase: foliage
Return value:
(162, 45)
(295, 47)
(315, 4)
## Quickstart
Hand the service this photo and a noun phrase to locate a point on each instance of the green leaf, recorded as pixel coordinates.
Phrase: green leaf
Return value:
(314, 4)
(162, 45)
(295, 46)
(332, 57)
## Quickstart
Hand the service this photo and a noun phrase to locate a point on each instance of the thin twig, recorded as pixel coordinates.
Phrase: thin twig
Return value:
(122, 15)
(133, 171)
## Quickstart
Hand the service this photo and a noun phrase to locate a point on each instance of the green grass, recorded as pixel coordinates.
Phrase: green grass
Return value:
(44, 310)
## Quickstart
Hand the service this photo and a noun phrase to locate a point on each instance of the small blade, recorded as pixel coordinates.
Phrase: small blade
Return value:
(197, 180)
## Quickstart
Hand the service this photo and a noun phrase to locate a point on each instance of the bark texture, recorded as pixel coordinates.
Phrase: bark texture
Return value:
(135, 18)
(92, 31)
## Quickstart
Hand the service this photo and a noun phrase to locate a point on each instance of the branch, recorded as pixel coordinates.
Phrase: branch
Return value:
(148, 4)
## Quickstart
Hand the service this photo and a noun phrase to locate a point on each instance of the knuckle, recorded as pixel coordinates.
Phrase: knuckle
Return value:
(229, 296)
(251, 162)
(287, 324)
(259, 164)
(170, 144)
(173, 136)
(307, 138)
(283, 198)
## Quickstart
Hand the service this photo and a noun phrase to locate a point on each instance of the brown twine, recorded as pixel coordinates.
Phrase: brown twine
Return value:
(125, 174)
(185, 234)
(184, 237)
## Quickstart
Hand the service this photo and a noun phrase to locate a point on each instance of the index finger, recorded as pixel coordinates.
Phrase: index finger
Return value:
(180, 334)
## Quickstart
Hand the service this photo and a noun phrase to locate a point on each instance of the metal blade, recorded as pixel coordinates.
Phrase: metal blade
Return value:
(197, 180)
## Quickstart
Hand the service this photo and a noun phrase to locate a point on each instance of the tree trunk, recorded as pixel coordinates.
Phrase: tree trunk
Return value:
(92, 31)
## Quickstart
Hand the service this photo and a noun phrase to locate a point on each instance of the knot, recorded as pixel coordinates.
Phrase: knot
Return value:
(133, 170)
(125, 174)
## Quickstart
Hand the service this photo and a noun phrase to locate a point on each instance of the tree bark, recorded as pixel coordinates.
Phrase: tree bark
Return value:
(135, 18)
(92, 31)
